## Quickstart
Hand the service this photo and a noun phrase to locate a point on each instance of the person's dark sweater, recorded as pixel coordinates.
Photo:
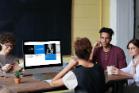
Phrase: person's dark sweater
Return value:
(90, 80)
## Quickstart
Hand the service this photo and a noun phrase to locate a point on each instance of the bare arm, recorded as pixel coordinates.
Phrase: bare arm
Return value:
(96, 45)
(117, 71)
(70, 66)
(91, 55)
(57, 80)
(125, 73)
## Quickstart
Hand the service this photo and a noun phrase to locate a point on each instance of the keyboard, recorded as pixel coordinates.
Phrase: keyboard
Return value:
(54, 69)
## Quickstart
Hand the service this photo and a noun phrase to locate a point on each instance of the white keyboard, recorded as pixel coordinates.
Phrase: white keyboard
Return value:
(48, 80)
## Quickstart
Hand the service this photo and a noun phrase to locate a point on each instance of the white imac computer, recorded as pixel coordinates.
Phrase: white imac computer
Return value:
(40, 55)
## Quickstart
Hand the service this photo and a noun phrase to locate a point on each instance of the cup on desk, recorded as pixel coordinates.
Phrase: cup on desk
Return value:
(109, 70)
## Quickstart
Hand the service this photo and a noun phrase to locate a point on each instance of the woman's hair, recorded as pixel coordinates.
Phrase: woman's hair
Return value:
(7, 37)
(83, 48)
(134, 42)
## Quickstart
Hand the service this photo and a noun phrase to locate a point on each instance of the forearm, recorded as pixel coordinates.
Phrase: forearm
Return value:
(125, 73)
(70, 66)
(58, 82)
(62, 73)
(94, 47)
(92, 54)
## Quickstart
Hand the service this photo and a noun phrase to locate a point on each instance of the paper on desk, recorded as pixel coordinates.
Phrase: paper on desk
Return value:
(48, 80)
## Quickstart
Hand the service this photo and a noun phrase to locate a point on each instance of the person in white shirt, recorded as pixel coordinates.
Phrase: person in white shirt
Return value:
(81, 74)
(133, 68)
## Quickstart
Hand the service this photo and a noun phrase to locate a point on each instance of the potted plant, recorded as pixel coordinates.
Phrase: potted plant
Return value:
(17, 78)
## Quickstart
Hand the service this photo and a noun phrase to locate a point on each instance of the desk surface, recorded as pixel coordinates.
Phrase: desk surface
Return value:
(116, 77)
(28, 84)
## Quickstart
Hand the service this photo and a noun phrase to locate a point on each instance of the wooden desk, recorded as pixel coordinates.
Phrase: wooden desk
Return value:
(116, 77)
(116, 82)
(28, 84)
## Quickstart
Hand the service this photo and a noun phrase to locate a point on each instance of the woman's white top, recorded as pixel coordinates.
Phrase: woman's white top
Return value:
(128, 69)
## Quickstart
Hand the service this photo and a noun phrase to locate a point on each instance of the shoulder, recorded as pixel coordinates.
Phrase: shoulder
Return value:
(117, 49)
(11, 57)
(97, 66)
(70, 80)
(130, 63)
(77, 69)
(98, 72)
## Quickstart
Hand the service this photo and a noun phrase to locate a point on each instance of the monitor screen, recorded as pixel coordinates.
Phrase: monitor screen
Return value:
(41, 54)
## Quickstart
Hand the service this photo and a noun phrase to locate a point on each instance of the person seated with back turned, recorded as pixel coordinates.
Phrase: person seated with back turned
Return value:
(7, 43)
(81, 74)
(107, 54)
(132, 69)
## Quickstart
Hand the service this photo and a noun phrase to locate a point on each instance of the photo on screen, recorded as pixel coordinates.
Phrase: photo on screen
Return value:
(50, 52)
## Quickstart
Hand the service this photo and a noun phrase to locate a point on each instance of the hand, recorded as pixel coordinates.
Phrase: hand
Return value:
(7, 67)
(115, 70)
(16, 67)
(97, 44)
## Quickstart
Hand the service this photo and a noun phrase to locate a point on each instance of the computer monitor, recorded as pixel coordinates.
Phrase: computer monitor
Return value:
(40, 54)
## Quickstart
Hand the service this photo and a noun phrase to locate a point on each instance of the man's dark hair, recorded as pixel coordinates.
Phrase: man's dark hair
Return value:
(107, 30)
